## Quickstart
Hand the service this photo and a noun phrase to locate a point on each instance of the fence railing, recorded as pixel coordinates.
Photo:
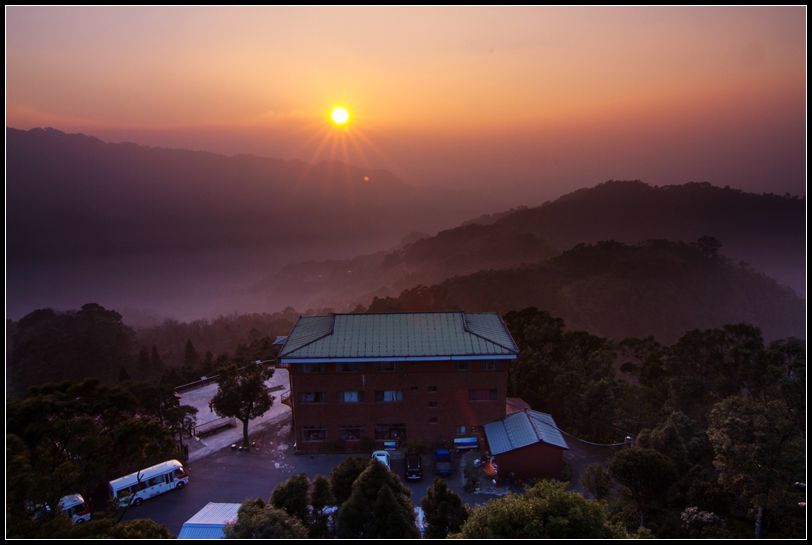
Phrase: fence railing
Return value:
(213, 426)
(207, 380)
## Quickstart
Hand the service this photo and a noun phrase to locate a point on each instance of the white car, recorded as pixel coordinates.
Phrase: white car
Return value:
(383, 457)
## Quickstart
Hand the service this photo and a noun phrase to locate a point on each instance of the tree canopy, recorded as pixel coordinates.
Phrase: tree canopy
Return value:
(545, 510)
(256, 520)
(243, 394)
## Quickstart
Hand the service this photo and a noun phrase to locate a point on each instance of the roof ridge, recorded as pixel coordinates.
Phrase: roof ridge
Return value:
(320, 337)
(533, 424)
(465, 327)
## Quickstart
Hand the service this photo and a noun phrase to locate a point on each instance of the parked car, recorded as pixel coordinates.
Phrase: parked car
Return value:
(383, 457)
(414, 467)
(442, 462)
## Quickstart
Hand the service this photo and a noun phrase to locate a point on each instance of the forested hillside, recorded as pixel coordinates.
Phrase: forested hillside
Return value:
(657, 288)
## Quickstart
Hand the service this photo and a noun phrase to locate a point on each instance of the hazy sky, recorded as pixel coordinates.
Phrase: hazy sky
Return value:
(540, 100)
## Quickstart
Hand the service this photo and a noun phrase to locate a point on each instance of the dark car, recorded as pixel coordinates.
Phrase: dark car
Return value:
(442, 463)
(414, 467)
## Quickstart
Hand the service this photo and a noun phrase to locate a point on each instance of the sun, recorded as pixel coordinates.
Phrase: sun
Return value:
(340, 115)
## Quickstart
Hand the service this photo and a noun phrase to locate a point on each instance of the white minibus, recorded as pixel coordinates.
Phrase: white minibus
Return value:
(136, 487)
(75, 507)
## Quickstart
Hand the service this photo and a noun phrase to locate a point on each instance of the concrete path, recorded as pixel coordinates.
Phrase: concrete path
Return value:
(200, 397)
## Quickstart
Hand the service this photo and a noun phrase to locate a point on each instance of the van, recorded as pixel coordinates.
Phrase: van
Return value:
(75, 507)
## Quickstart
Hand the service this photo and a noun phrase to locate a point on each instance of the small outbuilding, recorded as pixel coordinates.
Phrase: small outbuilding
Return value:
(210, 522)
(527, 444)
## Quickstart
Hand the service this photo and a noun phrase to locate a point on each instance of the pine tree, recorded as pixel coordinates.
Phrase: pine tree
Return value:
(155, 362)
(144, 370)
(390, 519)
(292, 496)
(357, 520)
(445, 510)
(190, 356)
(344, 475)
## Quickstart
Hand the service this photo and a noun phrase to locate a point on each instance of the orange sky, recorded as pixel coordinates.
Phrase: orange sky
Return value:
(429, 88)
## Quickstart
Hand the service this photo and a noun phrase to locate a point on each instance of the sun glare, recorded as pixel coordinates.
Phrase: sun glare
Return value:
(340, 116)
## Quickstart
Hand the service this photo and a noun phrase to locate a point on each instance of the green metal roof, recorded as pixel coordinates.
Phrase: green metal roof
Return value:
(412, 335)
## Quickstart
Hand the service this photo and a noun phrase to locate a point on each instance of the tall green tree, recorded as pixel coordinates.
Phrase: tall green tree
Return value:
(758, 449)
(444, 509)
(597, 480)
(343, 476)
(389, 519)
(357, 516)
(645, 474)
(71, 438)
(190, 356)
(321, 496)
(51, 347)
(293, 496)
(155, 361)
(322, 493)
(256, 520)
(243, 394)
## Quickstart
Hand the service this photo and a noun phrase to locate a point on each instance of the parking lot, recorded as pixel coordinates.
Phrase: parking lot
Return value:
(231, 476)
(224, 475)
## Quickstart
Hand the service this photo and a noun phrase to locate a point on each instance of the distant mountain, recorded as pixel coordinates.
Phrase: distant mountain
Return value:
(657, 288)
(427, 260)
(75, 196)
(766, 231)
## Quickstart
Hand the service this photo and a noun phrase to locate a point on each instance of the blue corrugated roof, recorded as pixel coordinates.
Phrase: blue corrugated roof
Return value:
(399, 335)
(202, 531)
(522, 429)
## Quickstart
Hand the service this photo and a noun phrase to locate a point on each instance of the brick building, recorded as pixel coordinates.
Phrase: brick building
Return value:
(359, 380)
(526, 444)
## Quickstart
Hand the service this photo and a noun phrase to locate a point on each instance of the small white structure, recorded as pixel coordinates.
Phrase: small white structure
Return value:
(210, 522)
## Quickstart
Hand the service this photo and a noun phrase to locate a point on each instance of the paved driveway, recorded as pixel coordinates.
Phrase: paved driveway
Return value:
(199, 398)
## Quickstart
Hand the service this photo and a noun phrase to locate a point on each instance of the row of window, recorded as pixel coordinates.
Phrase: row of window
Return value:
(388, 396)
(392, 366)
(383, 432)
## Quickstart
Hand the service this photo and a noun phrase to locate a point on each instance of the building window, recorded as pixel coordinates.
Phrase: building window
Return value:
(432, 388)
(432, 403)
(433, 420)
(384, 432)
(482, 394)
(389, 366)
(351, 433)
(312, 368)
(462, 365)
(349, 367)
(388, 396)
(312, 397)
(350, 397)
(490, 365)
(461, 430)
(314, 434)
